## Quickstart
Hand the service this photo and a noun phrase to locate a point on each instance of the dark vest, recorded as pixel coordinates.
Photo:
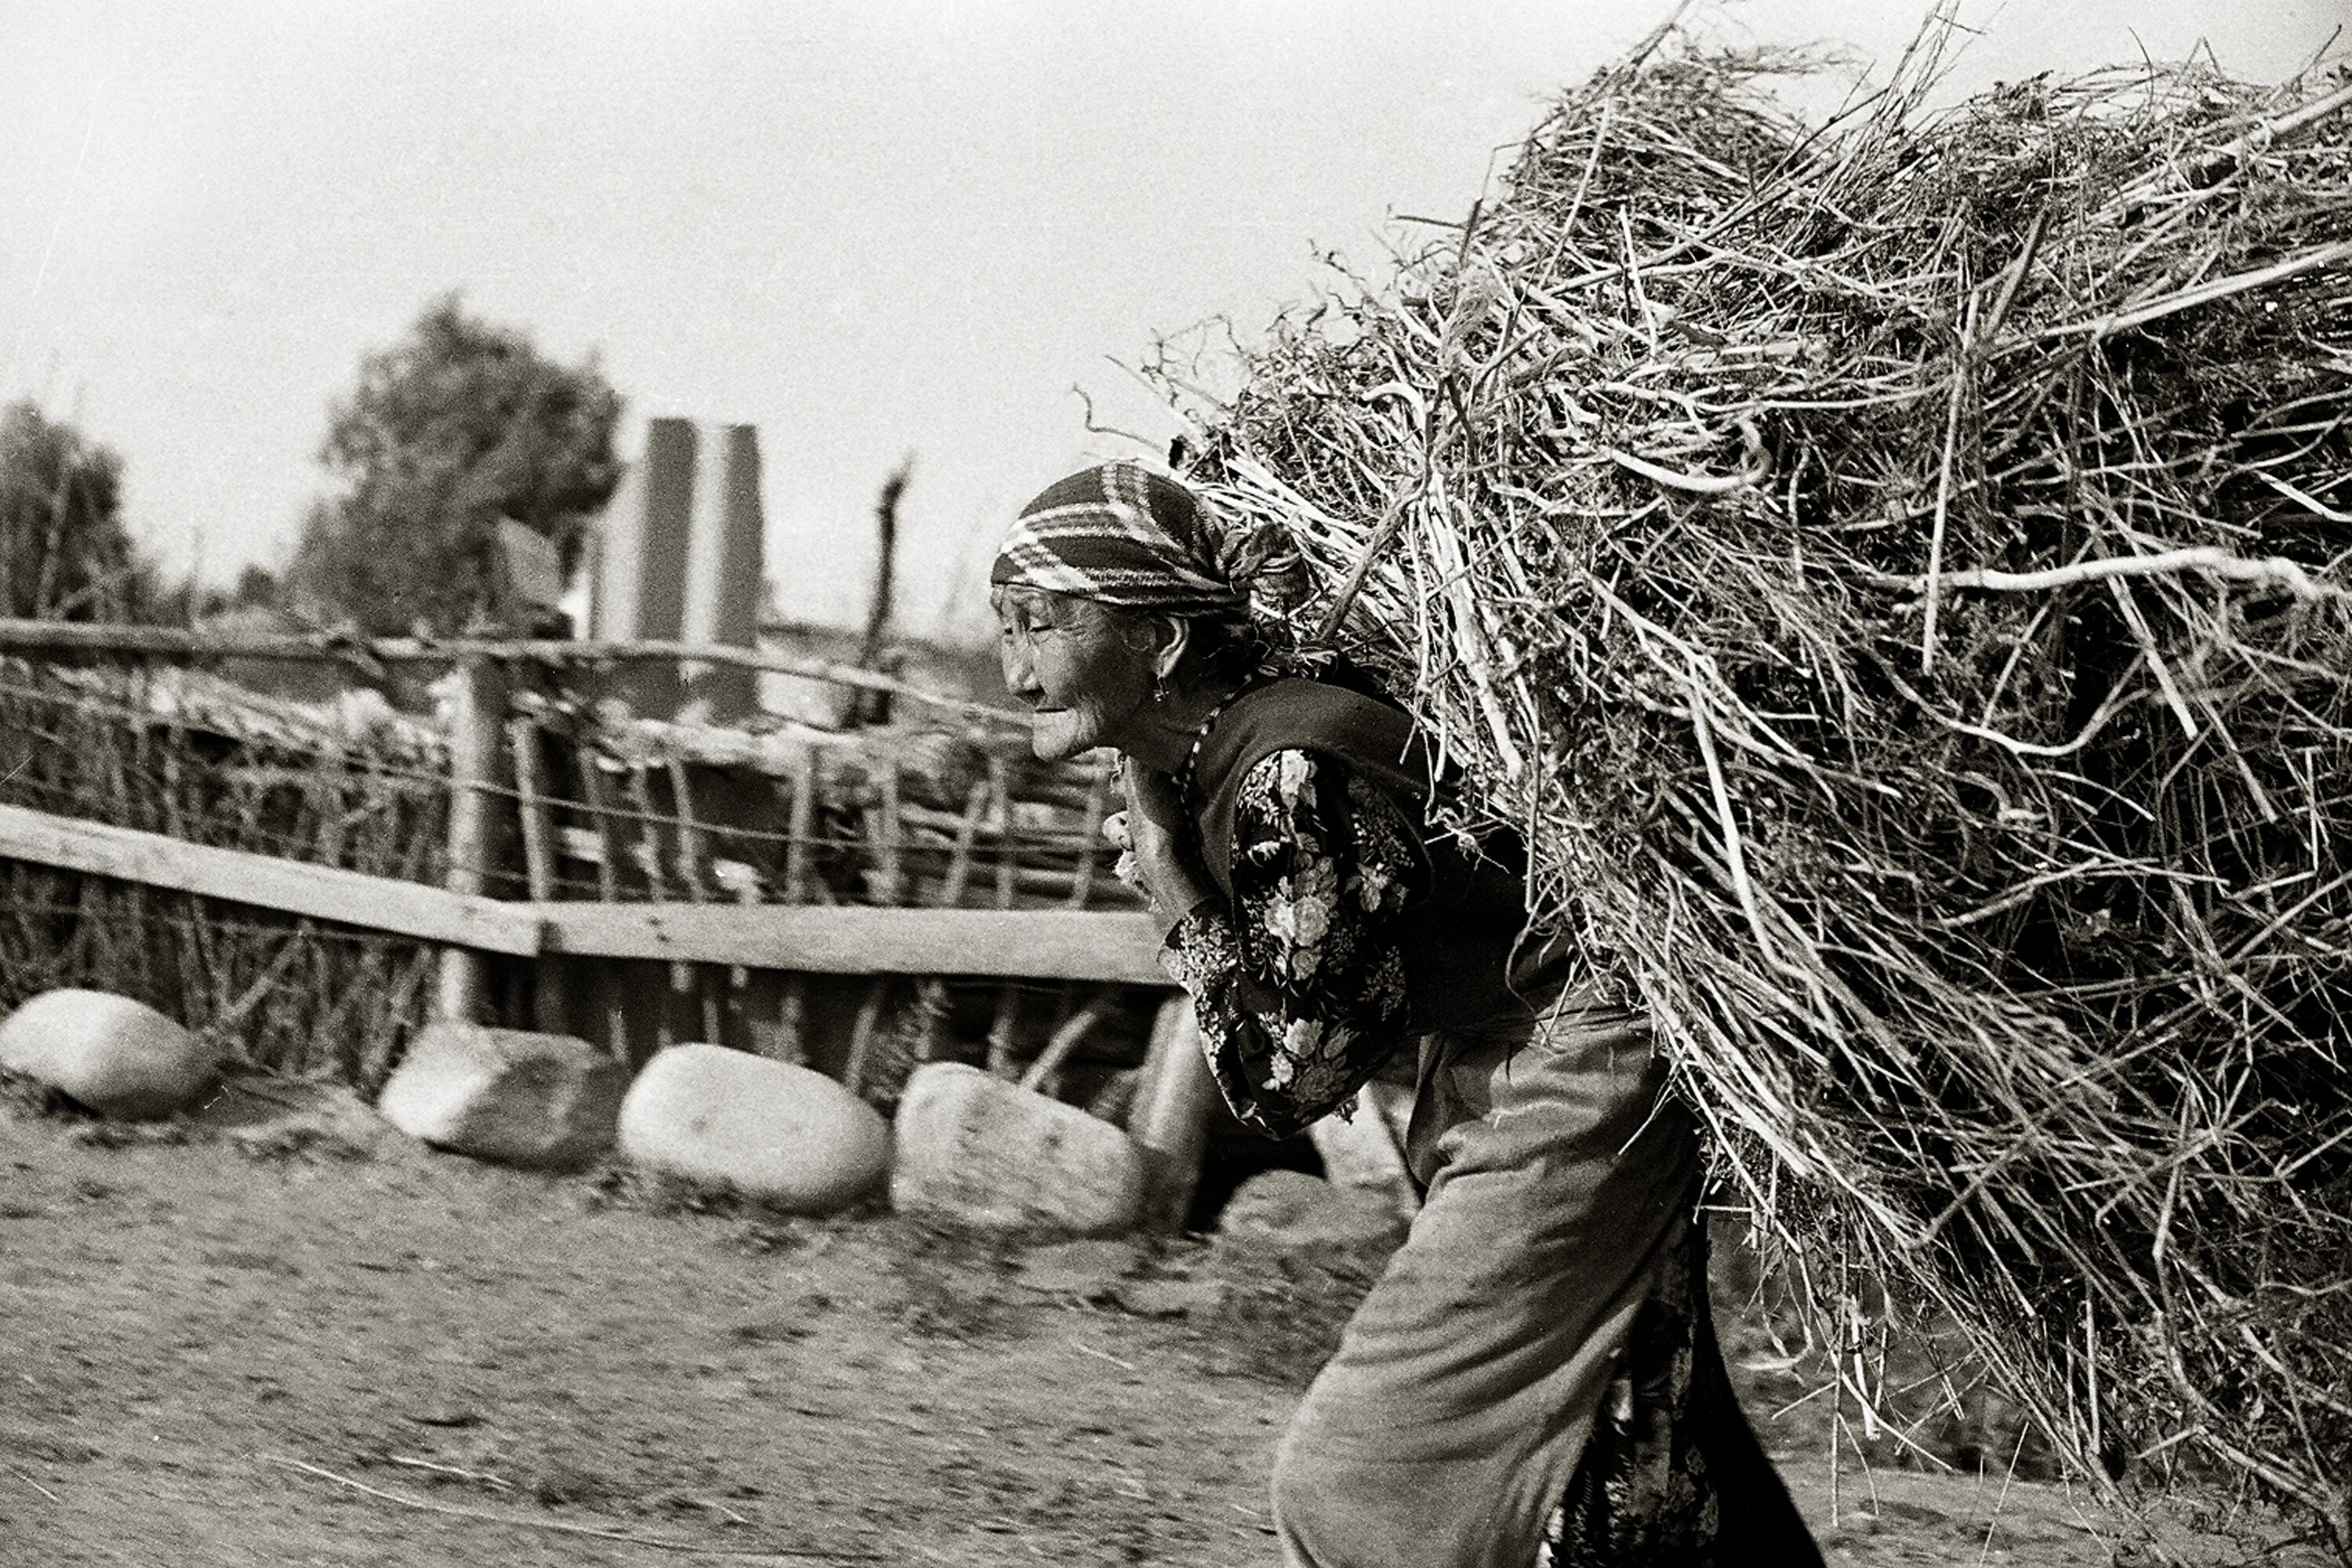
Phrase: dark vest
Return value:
(1469, 958)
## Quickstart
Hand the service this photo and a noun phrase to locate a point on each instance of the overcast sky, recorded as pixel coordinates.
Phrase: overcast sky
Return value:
(870, 229)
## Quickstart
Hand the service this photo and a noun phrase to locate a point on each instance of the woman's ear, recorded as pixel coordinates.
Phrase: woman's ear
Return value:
(1171, 639)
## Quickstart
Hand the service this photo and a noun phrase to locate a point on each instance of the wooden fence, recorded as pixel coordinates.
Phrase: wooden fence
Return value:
(313, 880)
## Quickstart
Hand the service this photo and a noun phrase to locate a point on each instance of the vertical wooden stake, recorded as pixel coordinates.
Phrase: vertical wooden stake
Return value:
(693, 850)
(931, 994)
(473, 774)
(739, 976)
(1171, 1118)
(859, 1063)
(681, 973)
(597, 797)
(599, 802)
(1008, 999)
(531, 807)
(889, 836)
(539, 865)
(1082, 876)
(890, 889)
(693, 862)
(800, 826)
(330, 790)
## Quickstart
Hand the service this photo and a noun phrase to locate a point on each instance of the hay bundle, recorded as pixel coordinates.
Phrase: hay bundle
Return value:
(1895, 575)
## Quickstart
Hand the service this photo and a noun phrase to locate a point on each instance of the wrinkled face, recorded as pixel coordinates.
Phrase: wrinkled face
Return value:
(1076, 665)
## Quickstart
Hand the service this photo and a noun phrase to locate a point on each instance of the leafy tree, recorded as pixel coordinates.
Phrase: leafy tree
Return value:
(461, 423)
(65, 554)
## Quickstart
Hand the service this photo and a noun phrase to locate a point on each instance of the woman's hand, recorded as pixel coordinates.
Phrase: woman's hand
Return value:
(1160, 837)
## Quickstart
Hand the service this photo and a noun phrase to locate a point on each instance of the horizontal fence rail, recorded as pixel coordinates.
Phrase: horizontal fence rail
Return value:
(266, 882)
(1107, 946)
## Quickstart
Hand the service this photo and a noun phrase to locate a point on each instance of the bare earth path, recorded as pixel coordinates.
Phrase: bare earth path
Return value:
(182, 1327)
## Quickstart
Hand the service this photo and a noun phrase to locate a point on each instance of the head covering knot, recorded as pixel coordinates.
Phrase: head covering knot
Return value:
(1120, 533)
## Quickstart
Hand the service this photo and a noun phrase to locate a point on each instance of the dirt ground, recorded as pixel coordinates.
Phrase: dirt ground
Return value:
(313, 1343)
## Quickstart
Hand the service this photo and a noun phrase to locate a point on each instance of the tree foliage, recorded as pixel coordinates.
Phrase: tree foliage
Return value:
(459, 425)
(65, 554)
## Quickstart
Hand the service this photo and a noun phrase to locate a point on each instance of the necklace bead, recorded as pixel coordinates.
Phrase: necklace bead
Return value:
(1201, 736)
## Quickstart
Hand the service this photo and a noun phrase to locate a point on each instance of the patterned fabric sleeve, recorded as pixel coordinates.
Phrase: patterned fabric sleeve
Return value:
(1299, 985)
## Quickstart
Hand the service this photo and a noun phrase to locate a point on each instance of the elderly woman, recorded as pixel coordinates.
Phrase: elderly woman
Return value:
(1534, 1377)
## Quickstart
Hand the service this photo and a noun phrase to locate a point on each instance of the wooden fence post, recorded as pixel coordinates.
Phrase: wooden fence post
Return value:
(1170, 1120)
(547, 1010)
(477, 705)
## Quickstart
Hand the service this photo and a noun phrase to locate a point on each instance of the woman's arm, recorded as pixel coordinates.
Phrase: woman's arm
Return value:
(1161, 861)
(1299, 982)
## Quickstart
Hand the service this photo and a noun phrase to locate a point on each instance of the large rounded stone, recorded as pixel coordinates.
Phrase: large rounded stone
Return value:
(789, 1136)
(509, 1095)
(118, 1056)
(984, 1152)
(1289, 1210)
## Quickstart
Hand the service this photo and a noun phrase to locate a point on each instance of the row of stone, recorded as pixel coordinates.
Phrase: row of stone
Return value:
(963, 1146)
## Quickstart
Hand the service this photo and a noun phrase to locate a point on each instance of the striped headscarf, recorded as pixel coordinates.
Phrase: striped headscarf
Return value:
(1120, 533)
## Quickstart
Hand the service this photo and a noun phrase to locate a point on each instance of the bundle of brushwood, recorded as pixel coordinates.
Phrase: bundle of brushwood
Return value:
(1895, 574)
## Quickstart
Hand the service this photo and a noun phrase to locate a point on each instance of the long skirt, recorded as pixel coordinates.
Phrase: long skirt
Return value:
(1535, 1379)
